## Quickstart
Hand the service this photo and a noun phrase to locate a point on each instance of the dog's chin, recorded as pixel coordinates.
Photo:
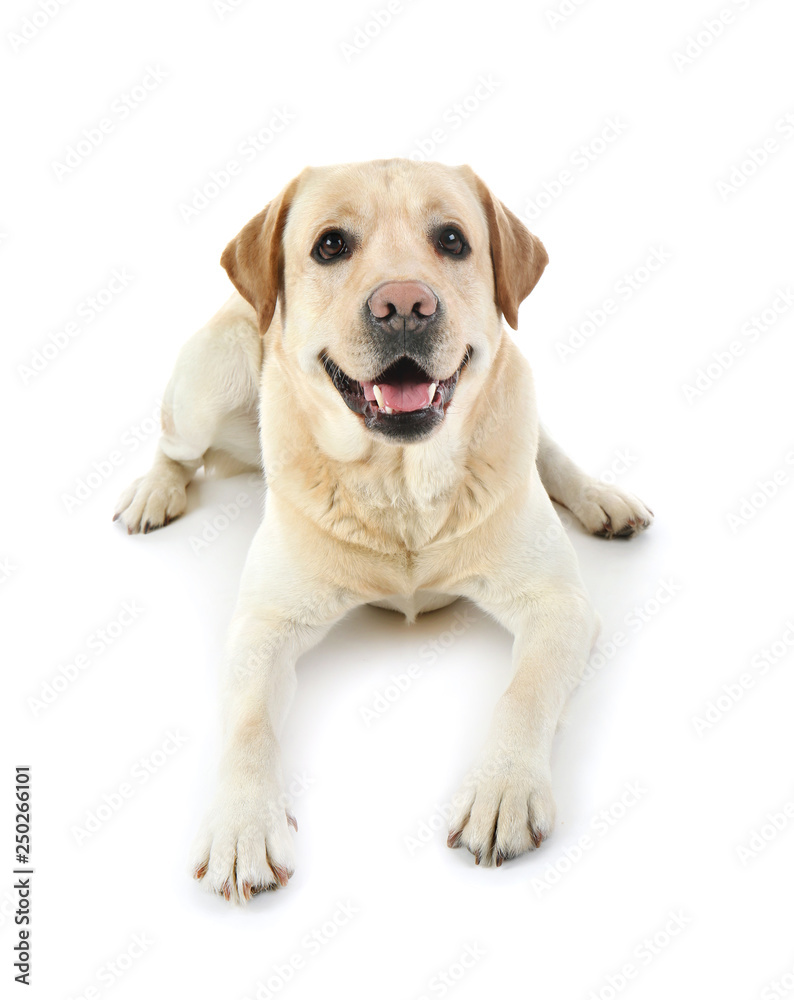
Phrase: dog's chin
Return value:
(404, 403)
(405, 428)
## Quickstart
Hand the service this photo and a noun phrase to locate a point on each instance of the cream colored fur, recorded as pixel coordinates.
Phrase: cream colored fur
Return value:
(353, 518)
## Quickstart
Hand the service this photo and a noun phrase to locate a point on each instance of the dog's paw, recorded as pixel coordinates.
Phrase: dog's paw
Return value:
(501, 812)
(151, 502)
(610, 512)
(244, 847)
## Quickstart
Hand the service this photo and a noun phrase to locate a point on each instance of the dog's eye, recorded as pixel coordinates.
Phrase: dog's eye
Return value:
(451, 240)
(331, 245)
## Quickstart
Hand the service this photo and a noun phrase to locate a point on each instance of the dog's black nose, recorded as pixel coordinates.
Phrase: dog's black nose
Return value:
(403, 305)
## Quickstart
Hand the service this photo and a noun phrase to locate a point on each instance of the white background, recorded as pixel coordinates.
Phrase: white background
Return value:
(685, 845)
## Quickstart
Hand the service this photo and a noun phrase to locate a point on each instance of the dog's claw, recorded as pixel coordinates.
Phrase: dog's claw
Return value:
(606, 529)
(281, 874)
(453, 840)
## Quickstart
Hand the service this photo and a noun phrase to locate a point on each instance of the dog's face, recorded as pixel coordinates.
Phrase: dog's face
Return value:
(391, 277)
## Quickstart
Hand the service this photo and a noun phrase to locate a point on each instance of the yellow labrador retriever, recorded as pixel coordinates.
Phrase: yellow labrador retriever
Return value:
(364, 354)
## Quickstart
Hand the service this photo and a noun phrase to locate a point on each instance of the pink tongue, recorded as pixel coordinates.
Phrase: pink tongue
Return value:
(407, 397)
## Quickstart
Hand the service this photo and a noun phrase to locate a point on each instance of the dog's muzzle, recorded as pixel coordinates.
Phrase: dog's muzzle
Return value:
(404, 402)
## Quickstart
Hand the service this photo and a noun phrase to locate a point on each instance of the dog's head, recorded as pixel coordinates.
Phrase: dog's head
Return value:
(390, 278)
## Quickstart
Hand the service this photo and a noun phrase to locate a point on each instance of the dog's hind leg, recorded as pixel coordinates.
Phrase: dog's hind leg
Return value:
(603, 509)
(209, 417)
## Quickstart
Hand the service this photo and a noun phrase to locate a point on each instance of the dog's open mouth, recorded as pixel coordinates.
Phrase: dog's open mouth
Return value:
(404, 401)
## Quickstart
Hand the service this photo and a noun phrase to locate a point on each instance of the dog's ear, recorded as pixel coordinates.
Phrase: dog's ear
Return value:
(253, 259)
(518, 257)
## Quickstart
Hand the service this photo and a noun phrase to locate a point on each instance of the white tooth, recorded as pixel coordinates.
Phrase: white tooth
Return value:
(378, 395)
(388, 409)
(431, 393)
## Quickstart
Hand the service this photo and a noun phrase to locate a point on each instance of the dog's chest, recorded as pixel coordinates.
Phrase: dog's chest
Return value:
(402, 511)
(385, 512)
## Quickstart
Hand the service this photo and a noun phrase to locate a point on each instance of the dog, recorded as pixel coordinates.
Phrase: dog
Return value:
(363, 362)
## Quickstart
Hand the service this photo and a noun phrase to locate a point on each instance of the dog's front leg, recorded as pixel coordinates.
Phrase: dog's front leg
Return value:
(604, 510)
(283, 610)
(506, 805)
